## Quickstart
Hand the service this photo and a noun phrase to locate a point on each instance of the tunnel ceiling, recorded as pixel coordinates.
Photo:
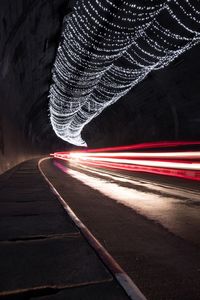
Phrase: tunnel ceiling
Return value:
(166, 105)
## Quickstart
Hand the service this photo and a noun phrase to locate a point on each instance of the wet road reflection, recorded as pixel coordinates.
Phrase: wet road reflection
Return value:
(177, 209)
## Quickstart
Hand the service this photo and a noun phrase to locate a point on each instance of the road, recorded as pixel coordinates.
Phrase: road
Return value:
(150, 224)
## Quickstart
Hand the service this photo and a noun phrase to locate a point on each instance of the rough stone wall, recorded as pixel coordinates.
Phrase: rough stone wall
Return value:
(29, 34)
(165, 106)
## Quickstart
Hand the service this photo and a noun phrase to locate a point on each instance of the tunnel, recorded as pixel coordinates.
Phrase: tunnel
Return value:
(100, 149)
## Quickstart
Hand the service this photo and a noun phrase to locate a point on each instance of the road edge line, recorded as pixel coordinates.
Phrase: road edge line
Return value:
(119, 274)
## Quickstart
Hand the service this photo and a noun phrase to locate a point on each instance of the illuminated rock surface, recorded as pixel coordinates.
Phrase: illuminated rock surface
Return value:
(107, 48)
(165, 105)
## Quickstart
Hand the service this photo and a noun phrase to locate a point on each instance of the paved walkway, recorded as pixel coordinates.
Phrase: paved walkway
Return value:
(43, 255)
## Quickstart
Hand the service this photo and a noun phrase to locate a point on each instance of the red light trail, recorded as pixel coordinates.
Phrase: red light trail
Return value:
(184, 164)
(165, 144)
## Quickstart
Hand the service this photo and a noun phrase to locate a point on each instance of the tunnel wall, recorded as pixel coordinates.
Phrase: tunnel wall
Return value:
(13, 147)
(29, 34)
(165, 106)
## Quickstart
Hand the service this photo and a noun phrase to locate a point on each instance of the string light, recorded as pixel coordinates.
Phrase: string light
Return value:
(108, 48)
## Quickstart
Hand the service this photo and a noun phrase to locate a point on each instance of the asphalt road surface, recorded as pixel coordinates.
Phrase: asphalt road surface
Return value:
(150, 224)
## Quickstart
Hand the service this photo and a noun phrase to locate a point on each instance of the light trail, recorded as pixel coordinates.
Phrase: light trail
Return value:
(127, 179)
(150, 163)
(184, 164)
(163, 144)
(171, 155)
(186, 174)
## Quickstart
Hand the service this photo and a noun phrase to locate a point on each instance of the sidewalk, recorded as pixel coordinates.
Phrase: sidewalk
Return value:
(43, 255)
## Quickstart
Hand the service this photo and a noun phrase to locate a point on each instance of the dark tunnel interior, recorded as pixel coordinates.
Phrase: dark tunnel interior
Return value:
(165, 106)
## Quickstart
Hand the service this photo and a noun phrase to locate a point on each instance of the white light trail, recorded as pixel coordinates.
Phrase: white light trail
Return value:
(183, 164)
(151, 163)
(171, 155)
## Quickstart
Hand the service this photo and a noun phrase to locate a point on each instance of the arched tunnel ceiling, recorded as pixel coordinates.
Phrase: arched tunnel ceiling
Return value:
(165, 105)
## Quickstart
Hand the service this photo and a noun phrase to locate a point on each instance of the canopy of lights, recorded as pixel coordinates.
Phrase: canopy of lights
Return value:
(107, 47)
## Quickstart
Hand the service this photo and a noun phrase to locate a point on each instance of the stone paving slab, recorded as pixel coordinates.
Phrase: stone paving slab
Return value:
(55, 263)
(18, 184)
(20, 195)
(30, 208)
(102, 291)
(22, 189)
(42, 252)
(21, 227)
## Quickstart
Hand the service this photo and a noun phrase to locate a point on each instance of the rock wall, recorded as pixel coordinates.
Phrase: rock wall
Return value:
(29, 36)
(165, 106)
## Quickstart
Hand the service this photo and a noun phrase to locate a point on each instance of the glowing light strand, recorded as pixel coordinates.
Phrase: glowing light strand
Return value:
(108, 48)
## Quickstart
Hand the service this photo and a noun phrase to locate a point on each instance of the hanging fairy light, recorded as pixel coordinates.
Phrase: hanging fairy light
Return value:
(107, 48)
